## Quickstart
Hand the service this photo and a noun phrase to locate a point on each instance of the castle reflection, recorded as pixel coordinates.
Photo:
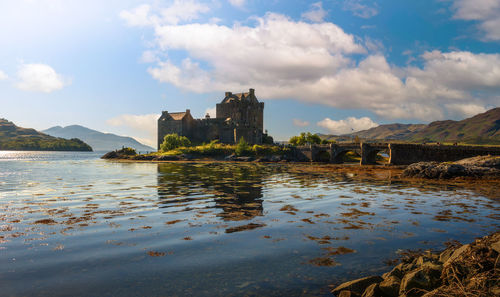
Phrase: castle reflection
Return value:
(236, 190)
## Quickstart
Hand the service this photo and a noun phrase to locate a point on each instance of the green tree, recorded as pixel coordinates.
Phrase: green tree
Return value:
(305, 138)
(242, 148)
(173, 141)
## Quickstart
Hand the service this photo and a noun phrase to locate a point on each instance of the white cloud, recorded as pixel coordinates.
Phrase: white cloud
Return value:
(237, 3)
(300, 123)
(316, 14)
(485, 12)
(359, 9)
(3, 76)
(143, 127)
(211, 111)
(349, 125)
(315, 63)
(466, 110)
(178, 11)
(39, 78)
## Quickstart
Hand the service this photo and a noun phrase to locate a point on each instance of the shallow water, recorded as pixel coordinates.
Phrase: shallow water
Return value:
(72, 224)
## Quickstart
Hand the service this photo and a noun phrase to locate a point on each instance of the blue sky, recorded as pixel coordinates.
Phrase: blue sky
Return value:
(331, 66)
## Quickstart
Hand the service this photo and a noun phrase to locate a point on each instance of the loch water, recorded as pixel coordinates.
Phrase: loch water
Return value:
(72, 224)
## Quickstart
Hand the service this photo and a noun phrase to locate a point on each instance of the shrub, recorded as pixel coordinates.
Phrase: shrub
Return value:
(242, 148)
(304, 138)
(127, 151)
(173, 141)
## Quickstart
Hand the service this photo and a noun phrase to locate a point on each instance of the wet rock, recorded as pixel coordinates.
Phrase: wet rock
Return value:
(457, 253)
(347, 293)
(357, 286)
(167, 158)
(444, 256)
(467, 270)
(418, 281)
(275, 158)
(396, 271)
(263, 159)
(144, 157)
(496, 246)
(230, 157)
(372, 291)
(244, 159)
(390, 286)
(481, 161)
(470, 167)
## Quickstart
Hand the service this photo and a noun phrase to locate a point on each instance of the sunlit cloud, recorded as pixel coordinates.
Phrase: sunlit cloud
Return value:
(39, 78)
(349, 125)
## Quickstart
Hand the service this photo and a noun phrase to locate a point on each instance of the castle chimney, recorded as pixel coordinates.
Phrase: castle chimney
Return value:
(188, 111)
(228, 94)
(252, 92)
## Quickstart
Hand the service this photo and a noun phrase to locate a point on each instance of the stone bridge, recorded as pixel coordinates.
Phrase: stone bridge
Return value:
(399, 153)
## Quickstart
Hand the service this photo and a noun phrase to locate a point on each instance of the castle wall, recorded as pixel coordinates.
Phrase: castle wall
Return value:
(245, 114)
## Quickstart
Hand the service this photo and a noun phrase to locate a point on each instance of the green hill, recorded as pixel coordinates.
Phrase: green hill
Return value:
(483, 128)
(13, 137)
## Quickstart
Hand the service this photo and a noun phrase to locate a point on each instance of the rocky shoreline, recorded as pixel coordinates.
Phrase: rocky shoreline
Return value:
(460, 270)
(476, 167)
(124, 155)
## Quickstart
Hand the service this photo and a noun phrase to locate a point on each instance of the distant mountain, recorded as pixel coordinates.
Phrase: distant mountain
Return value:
(391, 131)
(483, 128)
(382, 132)
(13, 137)
(98, 140)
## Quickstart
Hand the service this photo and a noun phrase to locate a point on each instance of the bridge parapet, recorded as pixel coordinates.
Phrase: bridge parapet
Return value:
(406, 153)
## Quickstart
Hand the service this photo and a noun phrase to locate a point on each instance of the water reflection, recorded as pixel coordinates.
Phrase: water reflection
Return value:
(126, 228)
(236, 191)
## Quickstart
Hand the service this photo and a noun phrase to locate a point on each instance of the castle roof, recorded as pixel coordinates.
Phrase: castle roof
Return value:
(239, 97)
(177, 115)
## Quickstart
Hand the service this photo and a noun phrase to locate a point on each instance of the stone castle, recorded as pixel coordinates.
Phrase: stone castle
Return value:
(237, 116)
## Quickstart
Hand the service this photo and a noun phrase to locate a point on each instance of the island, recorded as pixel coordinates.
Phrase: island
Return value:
(14, 138)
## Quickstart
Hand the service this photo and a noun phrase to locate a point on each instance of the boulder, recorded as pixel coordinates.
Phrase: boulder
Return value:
(456, 254)
(470, 167)
(357, 286)
(396, 271)
(231, 157)
(418, 281)
(372, 291)
(390, 286)
(445, 255)
(167, 158)
(347, 293)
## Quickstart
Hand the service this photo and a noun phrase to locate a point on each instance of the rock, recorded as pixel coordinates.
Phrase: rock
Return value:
(167, 158)
(390, 286)
(230, 157)
(496, 246)
(372, 291)
(359, 285)
(244, 159)
(444, 256)
(481, 161)
(275, 158)
(347, 293)
(396, 271)
(110, 155)
(456, 254)
(471, 167)
(419, 280)
(263, 159)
